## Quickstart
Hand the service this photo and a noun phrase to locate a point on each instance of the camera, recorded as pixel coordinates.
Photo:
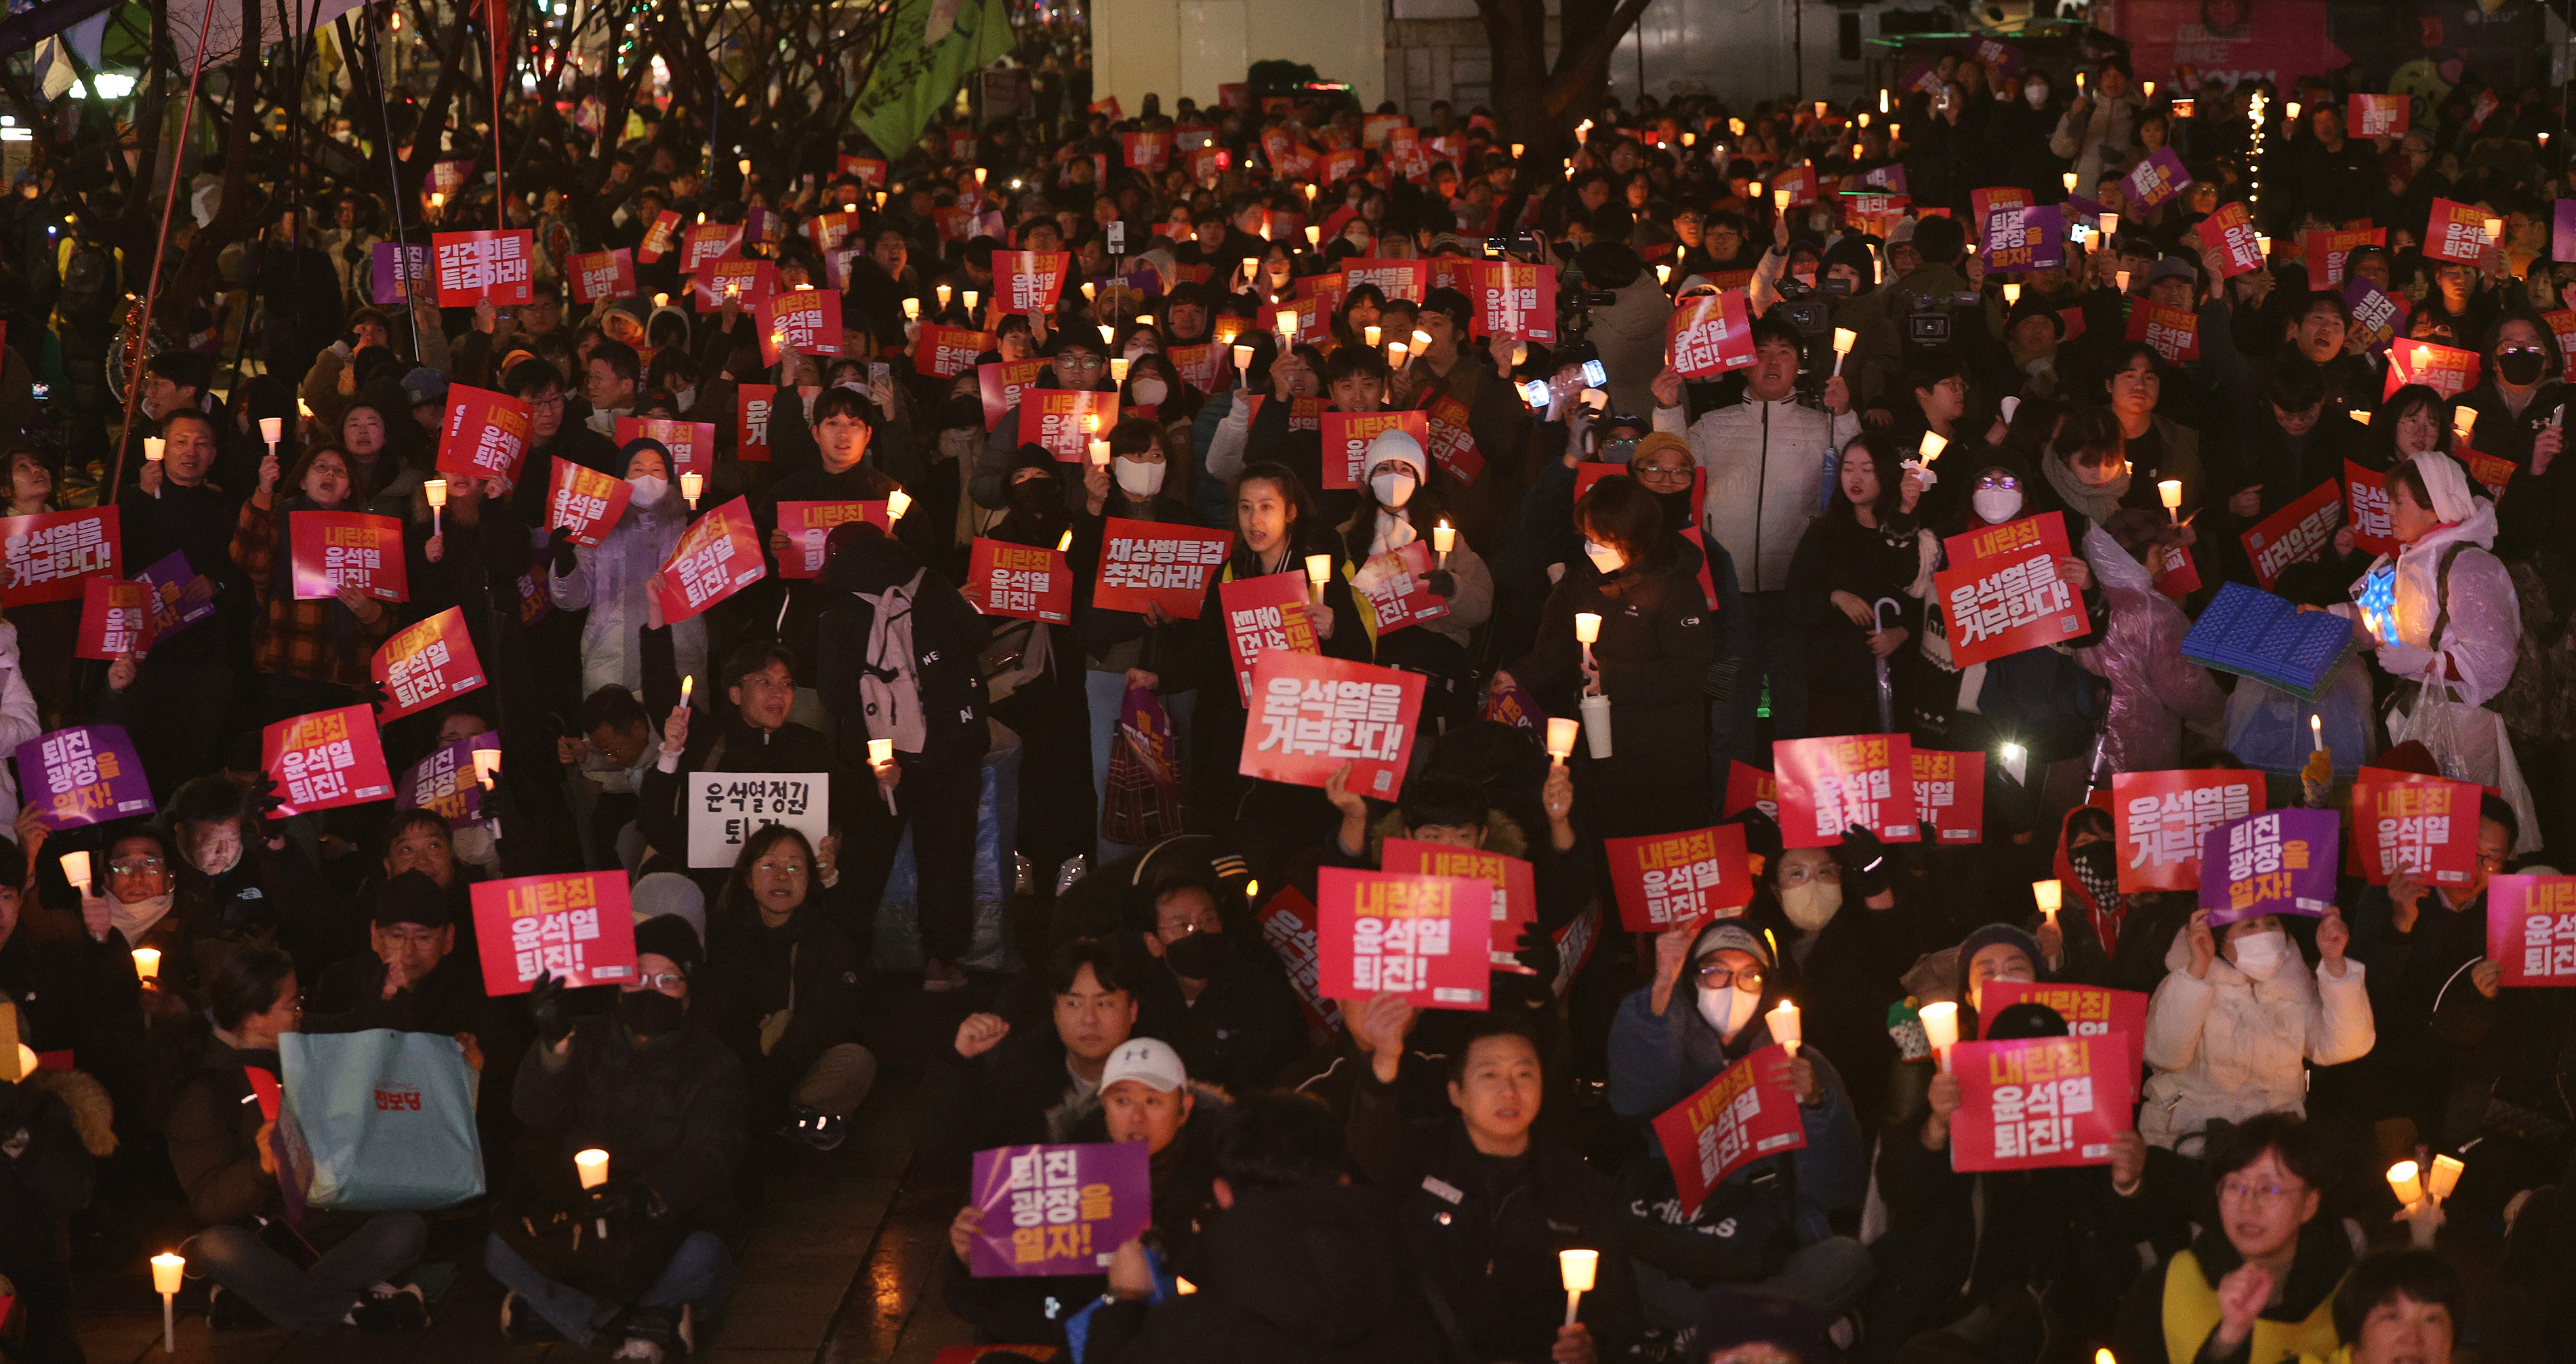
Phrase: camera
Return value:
(1929, 321)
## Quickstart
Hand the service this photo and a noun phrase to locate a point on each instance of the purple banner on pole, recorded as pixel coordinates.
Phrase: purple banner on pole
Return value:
(2277, 862)
(396, 262)
(81, 776)
(443, 783)
(168, 579)
(1058, 1209)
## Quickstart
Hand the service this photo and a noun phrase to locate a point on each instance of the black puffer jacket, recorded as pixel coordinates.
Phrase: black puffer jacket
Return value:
(671, 1107)
(805, 965)
(948, 640)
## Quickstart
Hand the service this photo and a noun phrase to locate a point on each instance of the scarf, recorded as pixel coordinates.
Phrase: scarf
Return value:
(137, 919)
(889, 688)
(2092, 503)
(1394, 532)
(2449, 485)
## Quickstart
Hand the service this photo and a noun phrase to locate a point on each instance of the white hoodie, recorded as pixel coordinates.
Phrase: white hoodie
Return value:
(2229, 1047)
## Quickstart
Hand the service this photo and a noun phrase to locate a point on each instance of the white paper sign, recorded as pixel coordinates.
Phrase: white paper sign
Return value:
(726, 808)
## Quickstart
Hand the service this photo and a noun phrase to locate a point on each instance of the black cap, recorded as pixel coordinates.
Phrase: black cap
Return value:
(2026, 1019)
(413, 898)
(670, 936)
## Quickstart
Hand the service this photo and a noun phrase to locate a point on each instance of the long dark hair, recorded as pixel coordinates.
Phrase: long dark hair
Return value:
(737, 888)
(1889, 507)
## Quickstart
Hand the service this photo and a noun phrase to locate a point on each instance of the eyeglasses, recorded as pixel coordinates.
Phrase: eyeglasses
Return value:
(137, 866)
(1800, 873)
(780, 868)
(1714, 975)
(2246, 1191)
(1175, 932)
(664, 981)
(1654, 473)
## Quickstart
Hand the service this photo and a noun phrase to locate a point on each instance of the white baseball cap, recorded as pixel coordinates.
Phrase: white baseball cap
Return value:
(1148, 1061)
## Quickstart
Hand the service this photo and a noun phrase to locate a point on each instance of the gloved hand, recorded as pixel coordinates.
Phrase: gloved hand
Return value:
(560, 546)
(546, 1009)
(1866, 868)
(1536, 950)
(1440, 582)
(372, 691)
(264, 801)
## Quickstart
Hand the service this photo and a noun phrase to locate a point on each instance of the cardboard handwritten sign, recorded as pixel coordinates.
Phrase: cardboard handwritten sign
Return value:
(2294, 534)
(87, 774)
(1749, 1111)
(1347, 436)
(2276, 862)
(2039, 1102)
(2366, 502)
(810, 524)
(1427, 938)
(1003, 383)
(1143, 562)
(169, 581)
(944, 352)
(1029, 582)
(2531, 928)
(1029, 281)
(1058, 1209)
(331, 549)
(1750, 788)
(486, 434)
(1316, 713)
(576, 926)
(326, 759)
(2446, 370)
(585, 501)
(718, 556)
(1265, 614)
(1391, 587)
(601, 276)
(2174, 332)
(726, 808)
(116, 618)
(444, 783)
(2089, 1010)
(692, 444)
(1511, 881)
(1064, 420)
(2004, 594)
(474, 266)
(2456, 232)
(1667, 880)
(48, 553)
(1709, 335)
(2424, 825)
(425, 664)
(2163, 817)
(1950, 795)
(1829, 784)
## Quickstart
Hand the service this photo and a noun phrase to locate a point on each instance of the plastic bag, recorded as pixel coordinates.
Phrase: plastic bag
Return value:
(1144, 803)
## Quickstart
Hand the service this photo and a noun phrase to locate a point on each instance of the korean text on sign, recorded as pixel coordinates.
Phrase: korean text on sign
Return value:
(1145, 561)
(1423, 937)
(2366, 496)
(1667, 880)
(363, 552)
(1950, 794)
(717, 557)
(2294, 534)
(1749, 1111)
(1828, 785)
(586, 501)
(2089, 1010)
(48, 553)
(578, 928)
(2038, 1102)
(425, 663)
(2275, 862)
(84, 775)
(2531, 928)
(2164, 815)
(2423, 825)
(1057, 1209)
(726, 808)
(326, 759)
(474, 266)
(2004, 594)
(1262, 614)
(1317, 713)
(445, 783)
(1029, 582)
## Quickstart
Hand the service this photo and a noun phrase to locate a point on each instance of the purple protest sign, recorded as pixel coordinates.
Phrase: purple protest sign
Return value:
(2562, 236)
(2276, 862)
(395, 264)
(168, 579)
(2376, 314)
(2156, 179)
(1058, 1209)
(443, 783)
(1890, 177)
(84, 775)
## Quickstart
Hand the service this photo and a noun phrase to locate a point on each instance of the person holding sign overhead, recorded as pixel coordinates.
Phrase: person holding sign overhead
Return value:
(863, 453)
(312, 653)
(611, 579)
(2239, 1017)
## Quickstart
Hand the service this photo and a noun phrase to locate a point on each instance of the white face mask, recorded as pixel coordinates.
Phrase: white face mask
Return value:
(1137, 478)
(2261, 955)
(2036, 94)
(1728, 1009)
(1996, 505)
(648, 490)
(1813, 905)
(1393, 488)
(1149, 392)
(1605, 558)
(1137, 349)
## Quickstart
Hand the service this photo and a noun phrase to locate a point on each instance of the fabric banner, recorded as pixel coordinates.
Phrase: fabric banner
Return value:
(1427, 938)
(2424, 825)
(48, 553)
(1664, 881)
(474, 266)
(1347, 436)
(1317, 713)
(1143, 562)
(2531, 928)
(444, 783)
(726, 808)
(1058, 1209)
(1950, 795)
(810, 524)
(2294, 534)
(425, 664)
(333, 548)
(1828, 785)
(2277, 862)
(84, 775)
(585, 501)
(2164, 817)
(1029, 582)
(2004, 595)
(2039, 1102)
(1265, 614)
(578, 927)
(116, 618)
(486, 434)
(1749, 1111)
(718, 556)
(325, 760)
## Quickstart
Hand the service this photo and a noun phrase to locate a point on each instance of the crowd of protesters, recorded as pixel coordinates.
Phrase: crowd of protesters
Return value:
(1373, 1181)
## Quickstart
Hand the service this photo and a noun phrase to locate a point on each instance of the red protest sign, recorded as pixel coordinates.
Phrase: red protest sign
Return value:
(1265, 614)
(474, 266)
(1426, 938)
(743, 282)
(1145, 151)
(718, 556)
(2375, 116)
(1707, 336)
(752, 404)
(2163, 815)
(1065, 419)
(2562, 324)
(1667, 880)
(1317, 713)
(708, 244)
(1003, 383)
(2089, 1010)
(330, 548)
(425, 664)
(325, 760)
(2366, 506)
(1451, 443)
(1029, 281)
(2039, 1102)
(1030, 582)
(2493, 472)
(49, 553)
(1202, 367)
(809, 524)
(1512, 882)
(601, 276)
(1347, 436)
(578, 927)
(2228, 242)
(2456, 231)
(867, 170)
(1390, 586)
(116, 618)
(1515, 300)
(2405, 822)
(659, 238)
(2174, 332)
(1829, 784)
(1749, 1111)
(945, 352)
(806, 320)
(2004, 594)
(1404, 279)
(2445, 369)
(2294, 534)
(2176, 574)
(1143, 562)
(692, 444)
(486, 435)
(1750, 788)
(1950, 795)
(2531, 928)
(586, 501)
(1287, 923)
(2327, 251)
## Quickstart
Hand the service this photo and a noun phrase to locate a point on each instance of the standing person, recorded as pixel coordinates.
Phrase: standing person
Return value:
(187, 674)
(1401, 502)
(1866, 553)
(612, 580)
(856, 445)
(1125, 649)
(312, 654)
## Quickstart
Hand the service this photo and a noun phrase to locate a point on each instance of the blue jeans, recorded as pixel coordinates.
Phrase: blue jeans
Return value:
(1777, 655)
(699, 1269)
(1103, 694)
(317, 1299)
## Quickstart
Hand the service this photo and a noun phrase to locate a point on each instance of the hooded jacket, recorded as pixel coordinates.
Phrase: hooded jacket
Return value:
(2154, 689)
(2228, 1047)
(948, 645)
(610, 578)
(2476, 626)
(1766, 478)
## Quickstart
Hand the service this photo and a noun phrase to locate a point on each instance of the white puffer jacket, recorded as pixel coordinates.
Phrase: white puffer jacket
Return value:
(610, 581)
(1766, 478)
(2227, 1047)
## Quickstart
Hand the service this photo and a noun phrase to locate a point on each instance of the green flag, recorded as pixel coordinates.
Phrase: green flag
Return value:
(920, 71)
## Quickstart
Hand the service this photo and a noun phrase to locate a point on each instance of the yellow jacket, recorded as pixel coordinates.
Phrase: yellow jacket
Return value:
(2191, 1313)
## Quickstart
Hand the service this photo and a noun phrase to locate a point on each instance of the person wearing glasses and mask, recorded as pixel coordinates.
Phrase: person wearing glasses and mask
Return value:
(1076, 360)
(1218, 999)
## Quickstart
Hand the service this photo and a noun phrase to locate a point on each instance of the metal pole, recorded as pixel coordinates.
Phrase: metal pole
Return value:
(393, 171)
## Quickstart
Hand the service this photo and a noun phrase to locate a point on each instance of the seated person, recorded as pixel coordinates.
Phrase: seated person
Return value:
(410, 979)
(221, 1148)
(2260, 1282)
(997, 1083)
(2400, 1307)
(1220, 997)
(782, 990)
(667, 1099)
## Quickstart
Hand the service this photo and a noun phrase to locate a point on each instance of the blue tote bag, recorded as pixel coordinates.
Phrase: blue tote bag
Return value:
(386, 1117)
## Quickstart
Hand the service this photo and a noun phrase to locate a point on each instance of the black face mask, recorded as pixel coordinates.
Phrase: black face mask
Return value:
(1199, 956)
(1036, 496)
(649, 1013)
(1677, 509)
(2098, 859)
(2520, 367)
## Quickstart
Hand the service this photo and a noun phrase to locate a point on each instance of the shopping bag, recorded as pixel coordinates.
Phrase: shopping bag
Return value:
(1144, 774)
(387, 1118)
